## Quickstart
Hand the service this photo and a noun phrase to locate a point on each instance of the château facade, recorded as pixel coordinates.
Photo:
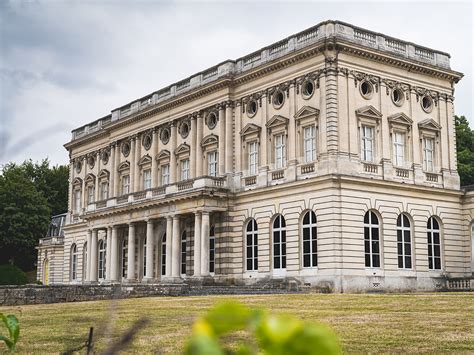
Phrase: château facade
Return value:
(328, 157)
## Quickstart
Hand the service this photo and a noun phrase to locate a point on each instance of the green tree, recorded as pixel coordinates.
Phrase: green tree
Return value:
(24, 217)
(465, 150)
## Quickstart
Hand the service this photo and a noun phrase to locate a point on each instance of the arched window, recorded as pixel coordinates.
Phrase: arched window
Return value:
(84, 262)
(212, 249)
(310, 244)
(251, 235)
(279, 243)
(73, 262)
(371, 239)
(102, 256)
(434, 244)
(183, 253)
(144, 257)
(163, 255)
(404, 242)
(124, 257)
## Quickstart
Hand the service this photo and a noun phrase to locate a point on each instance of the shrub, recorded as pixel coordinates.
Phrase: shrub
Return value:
(12, 275)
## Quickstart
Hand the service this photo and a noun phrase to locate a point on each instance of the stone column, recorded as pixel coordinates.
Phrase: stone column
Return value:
(205, 244)
(193, 147)
(229, 151)
(93, 274)
(114, 259)
(89, 247)
(172, 155)
(154, 163)
(112, 172)
(108, 254)
(136, 178)
(197, 244)
(199, 127)
(131, 253)
(169, 244)
(221, 140)
(133, 164)
(150, 247)
(175, 253)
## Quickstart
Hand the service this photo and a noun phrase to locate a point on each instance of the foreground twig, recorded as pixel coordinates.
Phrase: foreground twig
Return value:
(127, 337)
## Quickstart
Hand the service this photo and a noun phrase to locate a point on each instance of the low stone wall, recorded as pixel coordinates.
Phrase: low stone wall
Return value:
(36, 294)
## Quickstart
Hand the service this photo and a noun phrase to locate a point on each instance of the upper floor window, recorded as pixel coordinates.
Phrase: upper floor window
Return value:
(251, 246)
(104, 190)
(212, 163)
(434, 244)
(185, 169)
(147, 179)
(77, 201)
(125, 184)
(165, 174)
(428, 154)
(399, 148)
(371, 240)
(310, 241)
(90, 194)
(367, 143)
(253, 157)
(404, 242)
(280, 151)
(309, 144)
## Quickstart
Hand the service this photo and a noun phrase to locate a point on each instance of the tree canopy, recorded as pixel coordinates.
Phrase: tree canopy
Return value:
(465, 150)
(29, 194)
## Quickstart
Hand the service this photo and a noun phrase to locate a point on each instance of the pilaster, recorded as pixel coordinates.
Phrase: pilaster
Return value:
(222, 127)
(172, 155)
(229, 148)
(193, 146)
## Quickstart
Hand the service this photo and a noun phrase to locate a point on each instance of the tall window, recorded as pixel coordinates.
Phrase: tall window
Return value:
(367, 143)
(212, 163)
(279, 243)
(212, 249)
(163, 255)
(428, 154)
(280, 151)
(104, 190)
(124, 257)
(84, 261)
(125, 184)
(251, 235)
(183, 253)
(185, 169)
(165, 174)
(434, 244)
(310, 244)
(404, 242)
(371, 240)
(77, 201)
(309, 144)
(147, 179)
(102, 256)
(74, 262)
(144, 257)
(90, 194)
(253, 157)
(399, 148)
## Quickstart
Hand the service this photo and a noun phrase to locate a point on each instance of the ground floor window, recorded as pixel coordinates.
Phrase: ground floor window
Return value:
(183, 253)
(124, 257)
(371, 239)
(404, 242)
(279, 242)
(434, 244)
(251, 247)
(310, 241)
(102, 256)
(163, 255)
(212, 249)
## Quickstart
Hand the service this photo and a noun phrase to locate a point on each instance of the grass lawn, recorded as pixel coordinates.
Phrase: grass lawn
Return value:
(365, 323)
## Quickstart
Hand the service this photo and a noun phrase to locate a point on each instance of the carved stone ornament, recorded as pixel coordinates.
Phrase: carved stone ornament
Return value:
(360, 77)
(392, 85)
(126, 148)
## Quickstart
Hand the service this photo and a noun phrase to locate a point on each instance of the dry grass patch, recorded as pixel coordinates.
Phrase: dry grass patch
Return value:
(365, 323)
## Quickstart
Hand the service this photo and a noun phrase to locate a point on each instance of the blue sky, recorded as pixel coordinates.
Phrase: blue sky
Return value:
(66, 63)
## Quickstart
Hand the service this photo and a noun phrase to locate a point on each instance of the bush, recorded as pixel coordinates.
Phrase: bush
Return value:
(12, 275)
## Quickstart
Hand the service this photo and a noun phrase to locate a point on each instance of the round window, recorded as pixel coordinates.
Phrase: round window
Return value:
(184, 129)
(397, 97)
(252, 108)
(427, 103)
(147, 139)
(165, 135)
(278, 99)
(126, 149)
(308, 89)
(78, 166)
(91, 162)
(366, 89)
(211, 120)
(105, 157)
